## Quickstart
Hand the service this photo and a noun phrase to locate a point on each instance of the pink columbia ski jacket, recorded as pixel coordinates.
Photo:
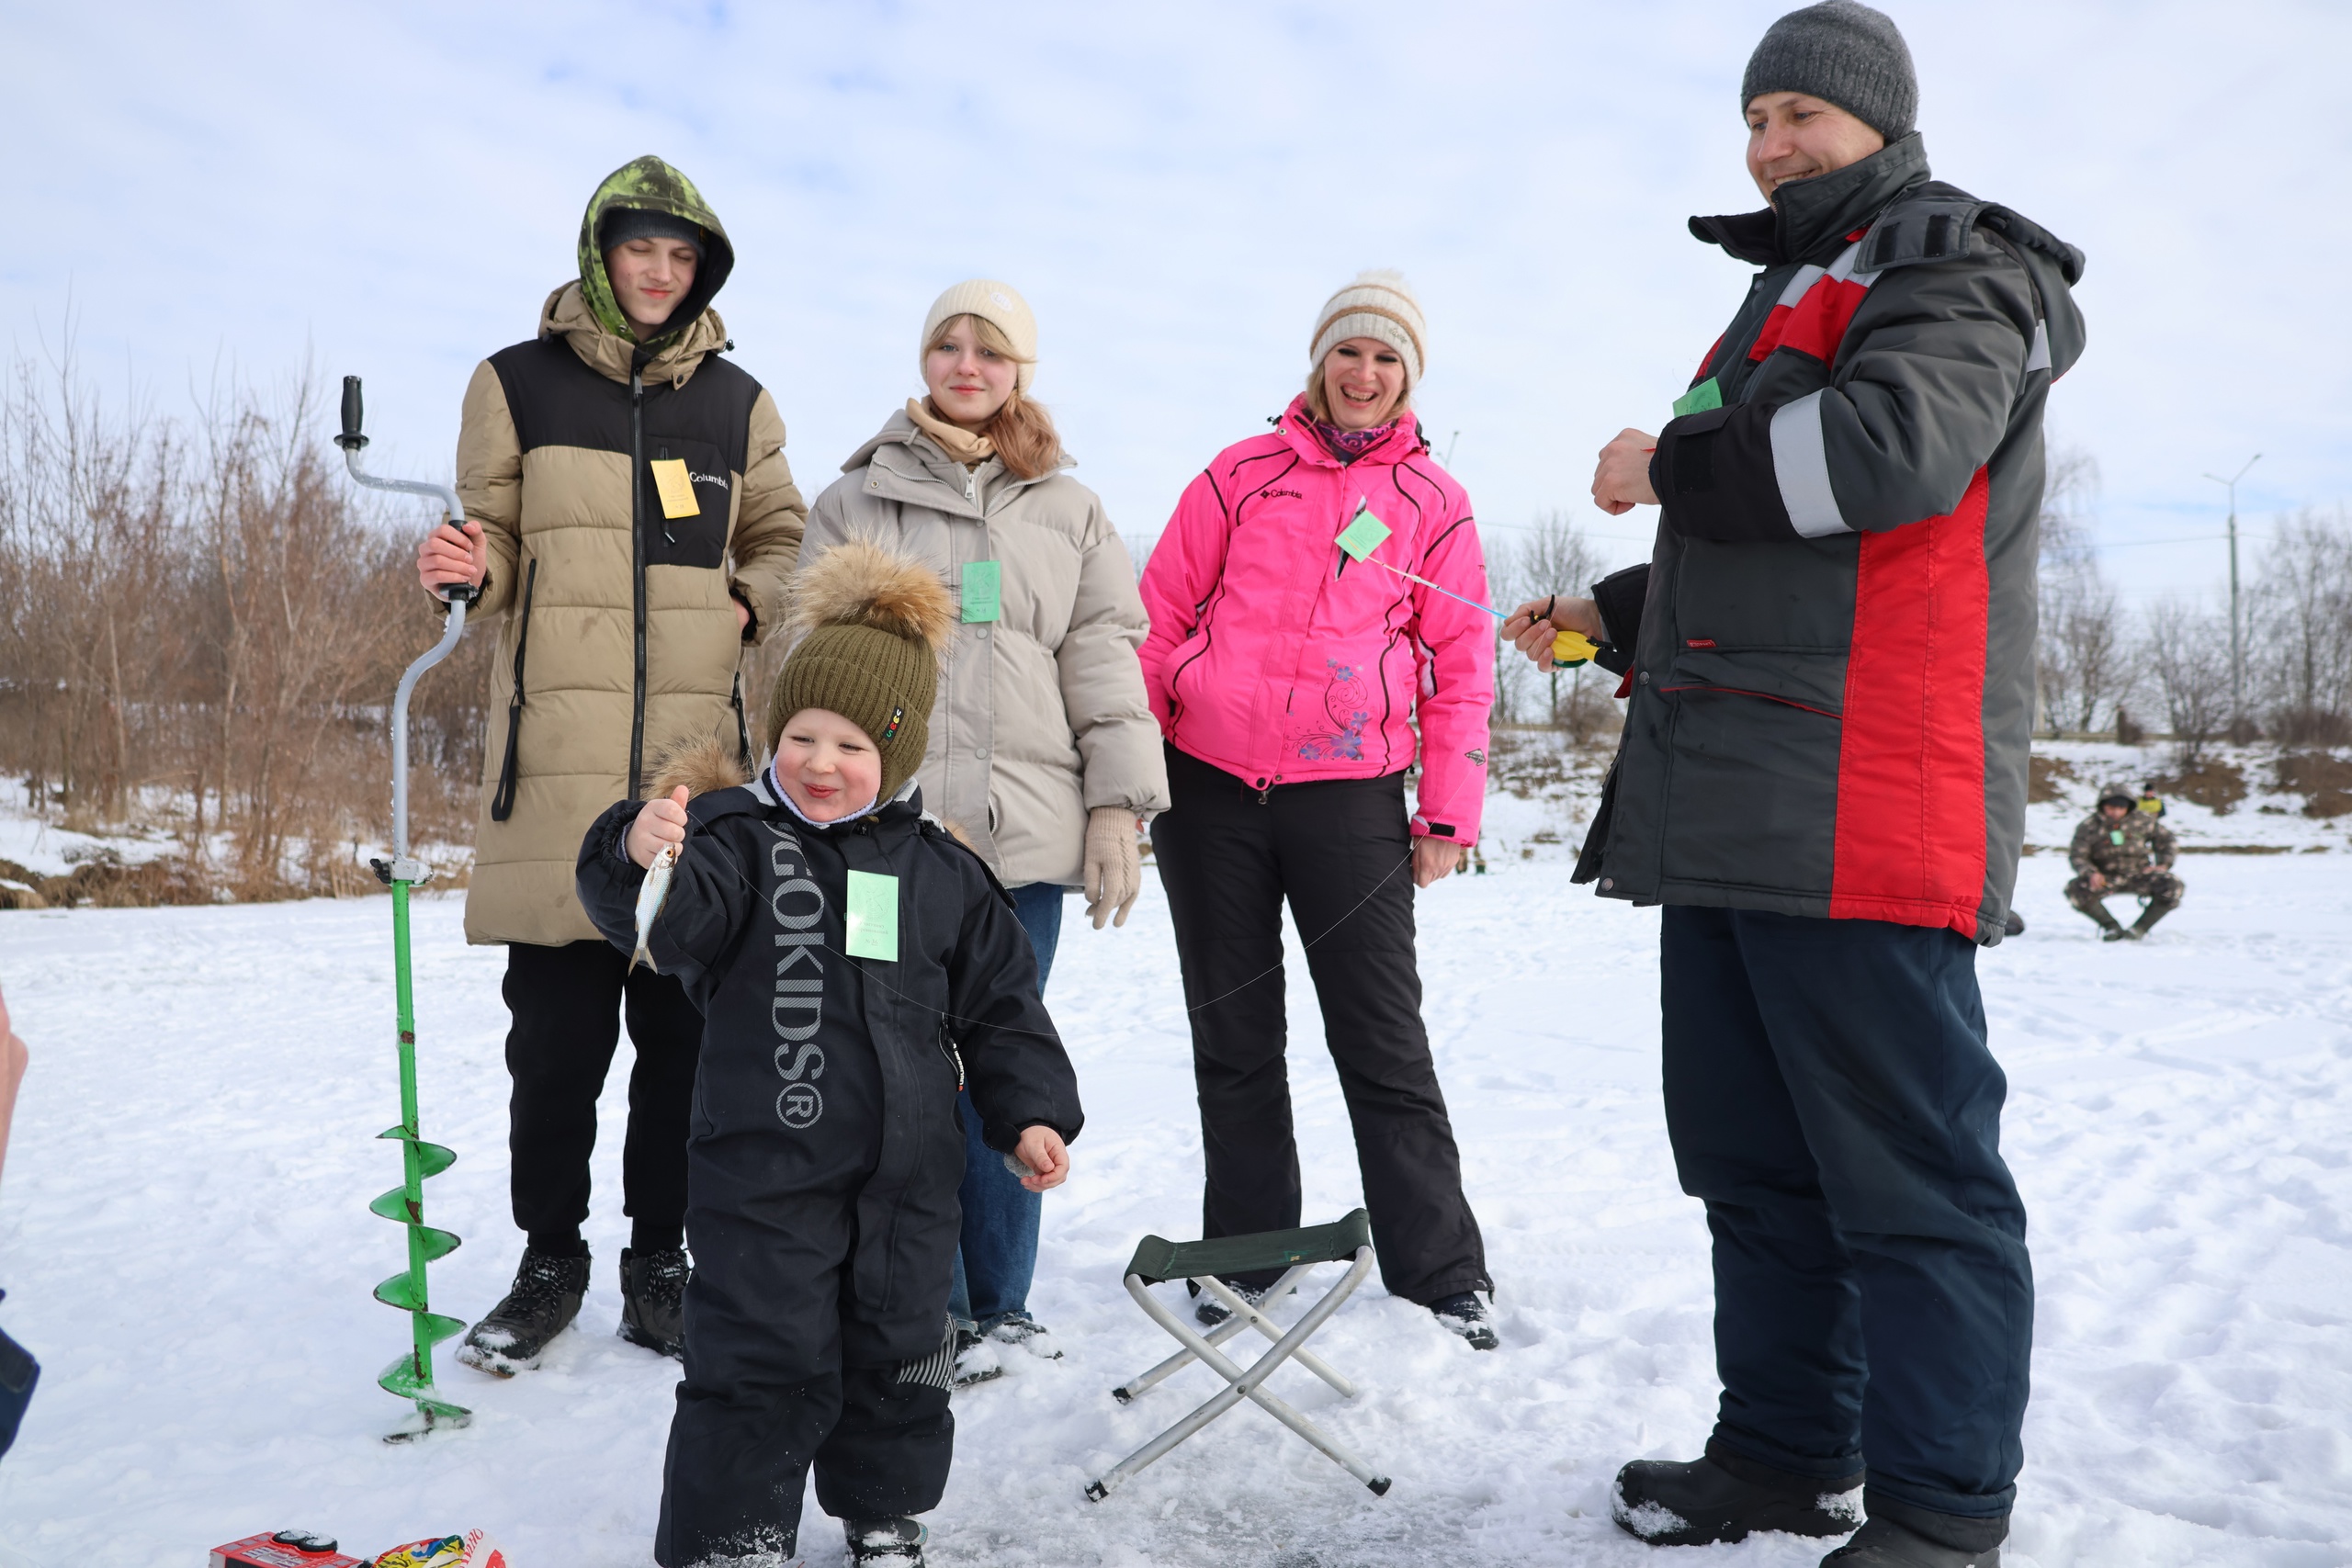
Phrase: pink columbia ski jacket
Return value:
(1278, 659)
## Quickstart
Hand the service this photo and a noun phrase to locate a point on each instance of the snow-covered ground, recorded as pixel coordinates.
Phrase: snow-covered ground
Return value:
(185, 1236)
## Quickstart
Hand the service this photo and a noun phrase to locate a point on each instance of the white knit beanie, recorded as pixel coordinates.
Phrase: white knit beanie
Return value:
(1380, 305)
(998, 304)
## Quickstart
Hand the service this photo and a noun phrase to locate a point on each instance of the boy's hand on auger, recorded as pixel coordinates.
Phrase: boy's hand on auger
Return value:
(1048, 1157)
(661, 822)
(449, 555)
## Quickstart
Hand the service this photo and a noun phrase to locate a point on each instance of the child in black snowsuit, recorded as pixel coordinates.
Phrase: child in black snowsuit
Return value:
(855, 964)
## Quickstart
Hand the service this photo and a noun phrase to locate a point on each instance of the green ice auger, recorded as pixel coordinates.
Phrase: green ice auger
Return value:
(411, 1377)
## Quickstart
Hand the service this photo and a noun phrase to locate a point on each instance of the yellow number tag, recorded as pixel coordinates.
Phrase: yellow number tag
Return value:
(676, 489)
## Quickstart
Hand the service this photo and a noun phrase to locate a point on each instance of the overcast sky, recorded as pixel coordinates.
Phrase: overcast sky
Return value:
(239, 188)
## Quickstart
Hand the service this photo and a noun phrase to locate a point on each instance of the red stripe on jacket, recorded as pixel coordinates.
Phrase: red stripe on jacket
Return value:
(1910, 841)
(1814, 324)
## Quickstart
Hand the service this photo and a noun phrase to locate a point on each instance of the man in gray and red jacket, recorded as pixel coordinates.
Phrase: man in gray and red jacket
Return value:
(1823, 777)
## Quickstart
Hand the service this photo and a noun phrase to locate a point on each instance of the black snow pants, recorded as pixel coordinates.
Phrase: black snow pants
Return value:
(568, 1002)
(1829, 1095)
(782, 1373)
(1339, 850)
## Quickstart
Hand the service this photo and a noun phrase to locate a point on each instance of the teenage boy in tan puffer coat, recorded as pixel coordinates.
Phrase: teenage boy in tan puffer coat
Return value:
(631, 518)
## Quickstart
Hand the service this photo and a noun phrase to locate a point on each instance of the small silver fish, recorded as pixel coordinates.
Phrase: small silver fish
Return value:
(648, 901)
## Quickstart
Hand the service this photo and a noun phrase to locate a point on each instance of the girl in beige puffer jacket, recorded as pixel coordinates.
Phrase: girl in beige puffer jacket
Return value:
(1044, 752)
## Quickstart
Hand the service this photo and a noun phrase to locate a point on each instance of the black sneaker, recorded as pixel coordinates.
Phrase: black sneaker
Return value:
(1461, 1312)
(1882, 1543)
(545, 1300)
(1209, 1312)
(896, 1543)
(977, 1361)
(653, 1300)
(1724, 1497)
(1029, 1334)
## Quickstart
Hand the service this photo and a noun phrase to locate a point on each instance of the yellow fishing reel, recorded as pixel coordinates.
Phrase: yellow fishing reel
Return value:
(1572, 648)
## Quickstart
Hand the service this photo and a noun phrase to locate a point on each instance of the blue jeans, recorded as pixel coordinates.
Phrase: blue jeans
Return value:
(999, 1255)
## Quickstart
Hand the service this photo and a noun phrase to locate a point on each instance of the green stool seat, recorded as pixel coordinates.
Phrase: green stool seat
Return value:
(1157, 1260)
(1207, 1264)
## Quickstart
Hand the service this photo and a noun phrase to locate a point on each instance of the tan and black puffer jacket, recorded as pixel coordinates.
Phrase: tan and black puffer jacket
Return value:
(618, 633)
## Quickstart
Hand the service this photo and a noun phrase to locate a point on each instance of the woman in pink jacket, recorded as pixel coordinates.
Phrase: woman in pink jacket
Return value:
(1288, 673)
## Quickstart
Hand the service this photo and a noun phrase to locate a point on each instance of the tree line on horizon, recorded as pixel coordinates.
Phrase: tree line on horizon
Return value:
(2103, 672)
(207, 620)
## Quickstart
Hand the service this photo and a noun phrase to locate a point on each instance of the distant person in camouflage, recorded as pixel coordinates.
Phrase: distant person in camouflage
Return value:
(2119, 849)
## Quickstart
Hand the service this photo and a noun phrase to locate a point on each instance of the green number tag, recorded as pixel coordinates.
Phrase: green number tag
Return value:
(873, 916)
(1363, 536)
(2114, 836)
(983, 591)
(1706, 395)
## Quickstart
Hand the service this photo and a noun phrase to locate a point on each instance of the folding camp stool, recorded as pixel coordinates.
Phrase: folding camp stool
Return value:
(1203, 1262)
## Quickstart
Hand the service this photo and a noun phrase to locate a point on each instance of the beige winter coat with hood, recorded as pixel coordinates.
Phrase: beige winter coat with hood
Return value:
(617, 634)
(1041, 714)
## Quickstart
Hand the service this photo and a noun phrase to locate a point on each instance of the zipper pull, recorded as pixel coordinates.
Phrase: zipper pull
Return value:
(668, 533)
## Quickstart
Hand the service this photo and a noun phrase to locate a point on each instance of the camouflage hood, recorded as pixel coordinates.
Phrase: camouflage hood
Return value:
(649, 184)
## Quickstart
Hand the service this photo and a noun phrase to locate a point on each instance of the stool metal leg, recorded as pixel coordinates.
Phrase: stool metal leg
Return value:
(1244, 1385)
(1266, 1325)
(1224, 1331)
(1244, 1316)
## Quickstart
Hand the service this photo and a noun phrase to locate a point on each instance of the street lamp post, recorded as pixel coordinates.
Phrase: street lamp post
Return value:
(2237, 635)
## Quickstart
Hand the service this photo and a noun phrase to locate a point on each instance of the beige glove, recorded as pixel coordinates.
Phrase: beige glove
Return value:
(1114, 869)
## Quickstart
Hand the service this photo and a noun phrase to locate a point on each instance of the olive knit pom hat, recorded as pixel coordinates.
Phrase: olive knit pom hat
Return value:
(873, 625)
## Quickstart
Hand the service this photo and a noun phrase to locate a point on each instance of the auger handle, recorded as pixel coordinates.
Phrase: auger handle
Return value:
(354, 411)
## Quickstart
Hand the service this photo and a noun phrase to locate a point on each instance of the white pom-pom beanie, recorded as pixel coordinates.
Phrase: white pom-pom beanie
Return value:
(1380, 305)
(998, 304)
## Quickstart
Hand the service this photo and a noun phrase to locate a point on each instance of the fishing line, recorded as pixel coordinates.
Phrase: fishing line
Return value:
(1273, 969)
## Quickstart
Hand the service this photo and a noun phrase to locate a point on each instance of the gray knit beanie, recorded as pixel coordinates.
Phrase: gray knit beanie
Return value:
(1842, 51)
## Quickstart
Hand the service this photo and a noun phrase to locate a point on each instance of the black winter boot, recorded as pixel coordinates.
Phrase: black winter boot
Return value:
(1725, 1495)
(654, 1299)
(2148, 917)
(545, 1300)
(897, 1544)
(1901, 1536)
(1463, 1313)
